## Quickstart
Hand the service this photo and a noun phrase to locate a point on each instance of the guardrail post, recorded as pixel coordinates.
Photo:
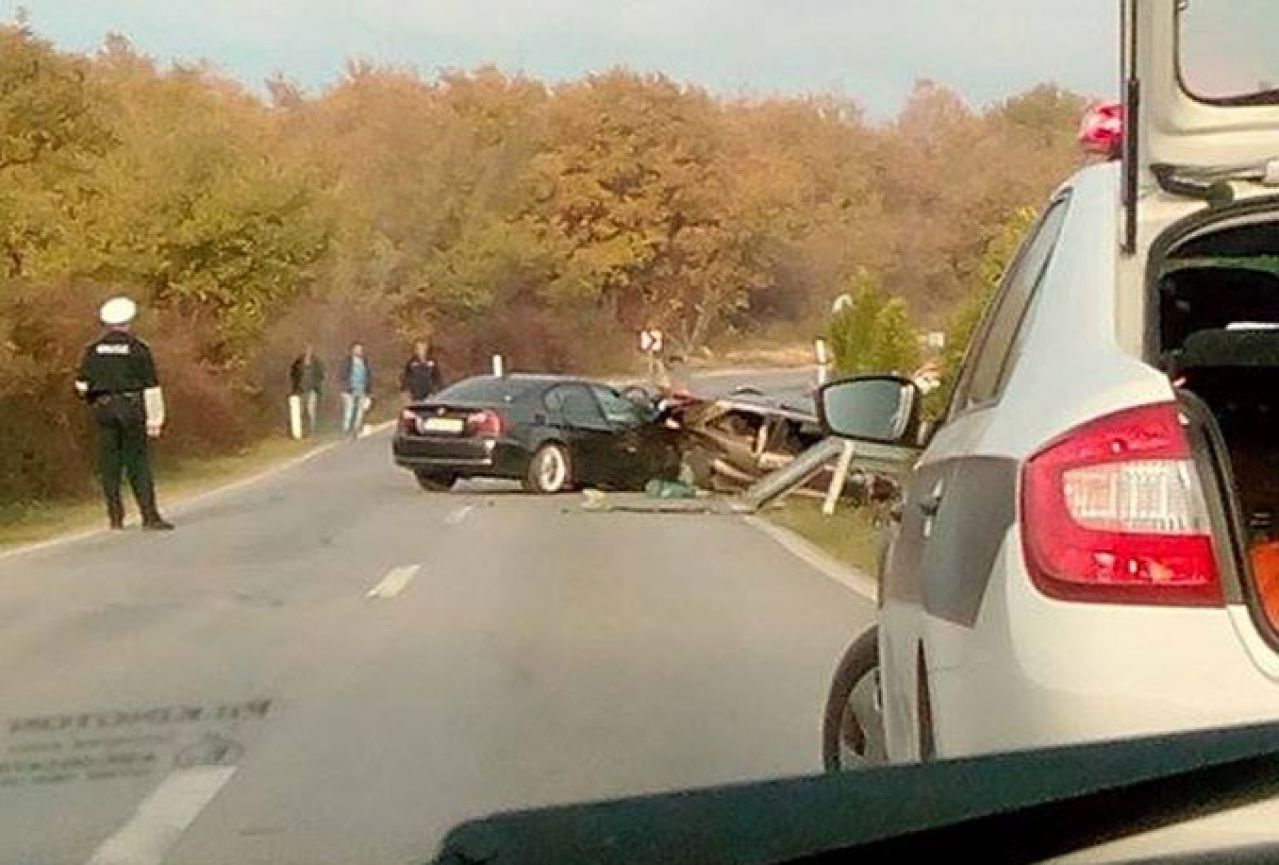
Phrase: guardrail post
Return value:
(838, 479)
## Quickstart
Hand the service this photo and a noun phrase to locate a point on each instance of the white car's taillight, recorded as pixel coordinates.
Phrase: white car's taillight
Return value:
(1113, 512)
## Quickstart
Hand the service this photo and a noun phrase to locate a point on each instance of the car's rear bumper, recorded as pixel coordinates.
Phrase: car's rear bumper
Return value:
(501, 458)
(1064, 673)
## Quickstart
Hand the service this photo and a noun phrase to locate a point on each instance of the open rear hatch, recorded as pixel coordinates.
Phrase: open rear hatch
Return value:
(1201, 100)
(1208, 79)
(1201, 109)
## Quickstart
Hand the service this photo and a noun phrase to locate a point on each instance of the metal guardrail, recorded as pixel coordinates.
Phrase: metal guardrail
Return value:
(874, 459)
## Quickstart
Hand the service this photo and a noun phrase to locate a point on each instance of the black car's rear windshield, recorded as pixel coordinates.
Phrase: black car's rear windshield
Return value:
(486, 389)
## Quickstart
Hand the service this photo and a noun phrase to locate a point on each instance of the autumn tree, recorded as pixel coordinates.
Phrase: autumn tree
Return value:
(489, 211)
(634, 197)
(52, 127)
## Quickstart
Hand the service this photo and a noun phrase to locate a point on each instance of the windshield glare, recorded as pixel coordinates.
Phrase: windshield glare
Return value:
(418, 410)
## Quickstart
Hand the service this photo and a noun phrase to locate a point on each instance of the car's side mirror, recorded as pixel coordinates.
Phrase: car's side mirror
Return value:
(881, 409)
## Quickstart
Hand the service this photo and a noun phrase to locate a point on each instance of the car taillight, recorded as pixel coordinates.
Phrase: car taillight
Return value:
(1101, 132)
(487, 424)
(1114, 512)
(408, 421)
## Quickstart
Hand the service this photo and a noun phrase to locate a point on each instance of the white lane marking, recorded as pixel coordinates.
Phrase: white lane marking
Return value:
(459, 515)
(394, 582)
(163, 816)
(849, 577)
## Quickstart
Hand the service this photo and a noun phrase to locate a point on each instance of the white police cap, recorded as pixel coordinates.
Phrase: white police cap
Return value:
(118, 311)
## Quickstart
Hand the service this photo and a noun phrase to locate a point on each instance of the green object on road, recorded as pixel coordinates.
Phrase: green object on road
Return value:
(660, 489)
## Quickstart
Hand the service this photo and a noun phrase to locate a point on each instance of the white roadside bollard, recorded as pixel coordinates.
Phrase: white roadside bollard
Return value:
(823, 361)
(499, 366)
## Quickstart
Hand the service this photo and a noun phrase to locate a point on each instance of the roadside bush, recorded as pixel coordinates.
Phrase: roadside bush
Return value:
(872, 333)
(48, 432)
(44, 425)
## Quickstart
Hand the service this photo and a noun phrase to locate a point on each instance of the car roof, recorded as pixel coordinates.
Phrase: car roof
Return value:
(513, 386)
(545, 377)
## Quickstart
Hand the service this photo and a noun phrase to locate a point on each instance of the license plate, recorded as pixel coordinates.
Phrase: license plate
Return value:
(452, 425)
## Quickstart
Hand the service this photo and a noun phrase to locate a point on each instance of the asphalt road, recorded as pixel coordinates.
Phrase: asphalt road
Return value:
(793, 385)
(330, 666)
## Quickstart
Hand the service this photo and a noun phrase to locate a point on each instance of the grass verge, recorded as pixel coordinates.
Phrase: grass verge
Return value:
(29, 522)
(847, 535)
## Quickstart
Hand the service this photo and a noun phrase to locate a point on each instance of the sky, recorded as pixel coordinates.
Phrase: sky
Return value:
(872, 50)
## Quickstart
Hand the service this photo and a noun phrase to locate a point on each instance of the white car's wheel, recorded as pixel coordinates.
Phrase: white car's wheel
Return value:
(550, 471)
(853, 728)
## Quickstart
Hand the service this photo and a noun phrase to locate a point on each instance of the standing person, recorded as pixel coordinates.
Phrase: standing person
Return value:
(421, 377)
(118, 379)
(306, 378)
(357, 385)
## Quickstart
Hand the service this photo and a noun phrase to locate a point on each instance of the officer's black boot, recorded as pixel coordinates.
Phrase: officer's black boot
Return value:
(115, 515)
(151, 519)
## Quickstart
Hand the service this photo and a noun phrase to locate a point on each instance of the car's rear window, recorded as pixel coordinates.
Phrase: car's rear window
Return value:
(486, 389)
(1227, 50)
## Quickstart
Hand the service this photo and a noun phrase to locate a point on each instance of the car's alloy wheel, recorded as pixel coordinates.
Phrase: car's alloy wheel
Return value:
(550, 470)
(853, 728)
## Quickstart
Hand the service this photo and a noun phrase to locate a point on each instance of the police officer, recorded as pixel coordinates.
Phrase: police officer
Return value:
(117, 378)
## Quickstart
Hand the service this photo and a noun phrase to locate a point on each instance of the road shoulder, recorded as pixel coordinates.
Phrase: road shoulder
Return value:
(184, 502)
(813, 556)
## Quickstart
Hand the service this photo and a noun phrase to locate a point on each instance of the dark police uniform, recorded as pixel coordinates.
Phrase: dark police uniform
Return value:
(115, 371)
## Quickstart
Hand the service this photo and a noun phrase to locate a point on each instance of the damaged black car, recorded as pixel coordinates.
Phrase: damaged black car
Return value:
(551, 433)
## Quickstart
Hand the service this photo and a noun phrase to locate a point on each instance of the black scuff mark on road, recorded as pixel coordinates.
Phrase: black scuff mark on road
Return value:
(211, 749)
(254, 599)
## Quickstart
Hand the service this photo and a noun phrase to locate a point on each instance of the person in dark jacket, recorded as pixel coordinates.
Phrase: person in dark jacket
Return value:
(117, 378)
(357, 390)
(421, 377)
(306, 379)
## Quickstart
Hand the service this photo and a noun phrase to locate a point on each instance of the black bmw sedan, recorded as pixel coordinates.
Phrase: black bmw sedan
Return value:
(551, 433)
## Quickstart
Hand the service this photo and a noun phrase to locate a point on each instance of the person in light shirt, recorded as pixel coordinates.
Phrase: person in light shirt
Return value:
(357, 388)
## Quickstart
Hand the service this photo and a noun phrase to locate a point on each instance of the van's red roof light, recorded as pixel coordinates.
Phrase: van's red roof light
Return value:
(1113, 512)
(1102, 131)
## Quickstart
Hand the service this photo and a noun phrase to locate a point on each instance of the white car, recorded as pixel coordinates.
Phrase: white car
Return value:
(1073, 559)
